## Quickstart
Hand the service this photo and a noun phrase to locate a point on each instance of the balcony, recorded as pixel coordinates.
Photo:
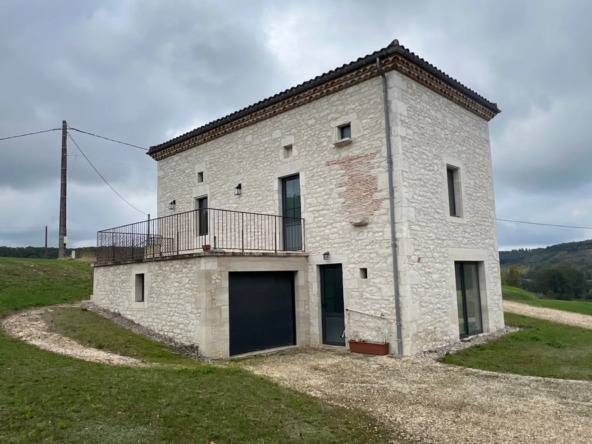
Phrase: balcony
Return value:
(204, 230)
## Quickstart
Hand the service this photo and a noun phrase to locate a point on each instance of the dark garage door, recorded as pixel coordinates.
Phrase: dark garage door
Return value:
(261, 310)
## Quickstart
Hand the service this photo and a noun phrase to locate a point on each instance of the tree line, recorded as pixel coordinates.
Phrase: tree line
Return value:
(39, 252)
(564, 282)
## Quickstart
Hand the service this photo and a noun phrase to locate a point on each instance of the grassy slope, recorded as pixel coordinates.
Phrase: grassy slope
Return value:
(46, 397)
(95, 331)
(519, 295)
(541, 349)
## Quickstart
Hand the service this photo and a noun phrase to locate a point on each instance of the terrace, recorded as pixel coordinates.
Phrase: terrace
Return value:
(205, 230)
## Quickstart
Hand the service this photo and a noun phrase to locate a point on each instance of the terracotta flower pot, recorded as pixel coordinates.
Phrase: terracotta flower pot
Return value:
(369, 348)
(206, 248)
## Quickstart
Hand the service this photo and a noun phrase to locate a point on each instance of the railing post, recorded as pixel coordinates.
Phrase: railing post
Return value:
(275, 234)
(243, 232)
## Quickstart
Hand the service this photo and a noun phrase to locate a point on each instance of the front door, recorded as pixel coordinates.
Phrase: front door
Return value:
(468, 298)
(332, 304)
(291, 210)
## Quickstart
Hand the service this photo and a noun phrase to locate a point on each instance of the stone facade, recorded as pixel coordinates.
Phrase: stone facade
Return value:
(430, 132)
(186, 298)
(171, 304)
(338, 185)
(342, 186)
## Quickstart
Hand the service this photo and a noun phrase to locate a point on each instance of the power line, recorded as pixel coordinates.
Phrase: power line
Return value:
(547, 225)
(118, 163)
(30, 134)
(18, 228)
(101, 176)
(111, 140)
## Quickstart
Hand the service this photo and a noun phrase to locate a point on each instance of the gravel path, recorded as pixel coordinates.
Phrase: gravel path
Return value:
(549, 314)
(30, 326)
(430, 402)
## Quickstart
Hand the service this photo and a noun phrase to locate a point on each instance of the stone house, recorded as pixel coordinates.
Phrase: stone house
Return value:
(276, 227)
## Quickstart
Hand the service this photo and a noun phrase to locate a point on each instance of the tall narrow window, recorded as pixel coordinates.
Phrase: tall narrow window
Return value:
(468, 298)
(202, 216)
(452, 175)
(200, 177)
(139, 287)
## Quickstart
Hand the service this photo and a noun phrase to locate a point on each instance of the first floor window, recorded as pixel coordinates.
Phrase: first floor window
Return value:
(468, 298)
(202, 216)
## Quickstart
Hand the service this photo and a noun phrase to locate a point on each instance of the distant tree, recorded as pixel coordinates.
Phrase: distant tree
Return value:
(502, 277)
(566, 282)
(550, 294)
(513, 277)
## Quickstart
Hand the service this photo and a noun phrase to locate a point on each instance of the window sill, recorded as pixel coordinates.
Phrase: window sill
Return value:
(343, 142)
(457, 219)
(139, 304)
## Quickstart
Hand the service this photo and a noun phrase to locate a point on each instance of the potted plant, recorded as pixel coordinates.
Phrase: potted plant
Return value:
(206, 248)
(358, 344)
(368, 348)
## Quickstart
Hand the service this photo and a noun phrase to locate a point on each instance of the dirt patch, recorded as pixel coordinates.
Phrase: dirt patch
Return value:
(549, 314)
(437, 403)
(31, 327)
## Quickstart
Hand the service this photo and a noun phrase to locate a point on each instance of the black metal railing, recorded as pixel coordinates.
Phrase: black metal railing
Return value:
(200, 230)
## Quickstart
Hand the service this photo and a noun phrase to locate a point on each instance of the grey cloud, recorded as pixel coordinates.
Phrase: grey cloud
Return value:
(135, 71)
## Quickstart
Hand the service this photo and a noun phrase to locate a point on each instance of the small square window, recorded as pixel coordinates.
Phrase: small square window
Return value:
(363, 273)
(287, 151)
(345, 131)
(200, 177)
(140, 287)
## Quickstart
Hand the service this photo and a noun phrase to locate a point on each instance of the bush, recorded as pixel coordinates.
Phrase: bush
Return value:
(550, 295)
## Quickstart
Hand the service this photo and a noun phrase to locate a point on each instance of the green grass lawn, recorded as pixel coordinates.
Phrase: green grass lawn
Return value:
(519, 295)
(45, 397)
(542, 349)
(93, 330)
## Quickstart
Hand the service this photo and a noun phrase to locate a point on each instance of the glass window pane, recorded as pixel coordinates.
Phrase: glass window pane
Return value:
(345, 131)
(471, 275)
(451, 194)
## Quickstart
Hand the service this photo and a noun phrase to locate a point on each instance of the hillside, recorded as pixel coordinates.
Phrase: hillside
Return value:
(577, 253)
(39, 252)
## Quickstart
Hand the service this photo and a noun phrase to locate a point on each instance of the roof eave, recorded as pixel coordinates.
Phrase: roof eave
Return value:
(362, 62)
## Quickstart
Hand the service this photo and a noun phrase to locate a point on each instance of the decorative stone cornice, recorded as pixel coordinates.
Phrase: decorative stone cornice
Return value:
(396, 61)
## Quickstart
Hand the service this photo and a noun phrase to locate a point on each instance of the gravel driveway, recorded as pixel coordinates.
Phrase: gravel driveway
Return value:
(549, 314)
(431, 402)
(30, 326)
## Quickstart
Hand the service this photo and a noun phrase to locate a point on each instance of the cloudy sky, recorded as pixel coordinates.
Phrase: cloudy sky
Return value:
(145, 71)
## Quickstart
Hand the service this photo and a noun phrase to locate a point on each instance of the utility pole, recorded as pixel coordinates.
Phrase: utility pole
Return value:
(45, 255)
(63, 233)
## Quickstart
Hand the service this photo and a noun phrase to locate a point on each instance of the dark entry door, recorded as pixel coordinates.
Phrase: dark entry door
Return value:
(261, 311)
(332, 304)
(291, 209)
(468, 298)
